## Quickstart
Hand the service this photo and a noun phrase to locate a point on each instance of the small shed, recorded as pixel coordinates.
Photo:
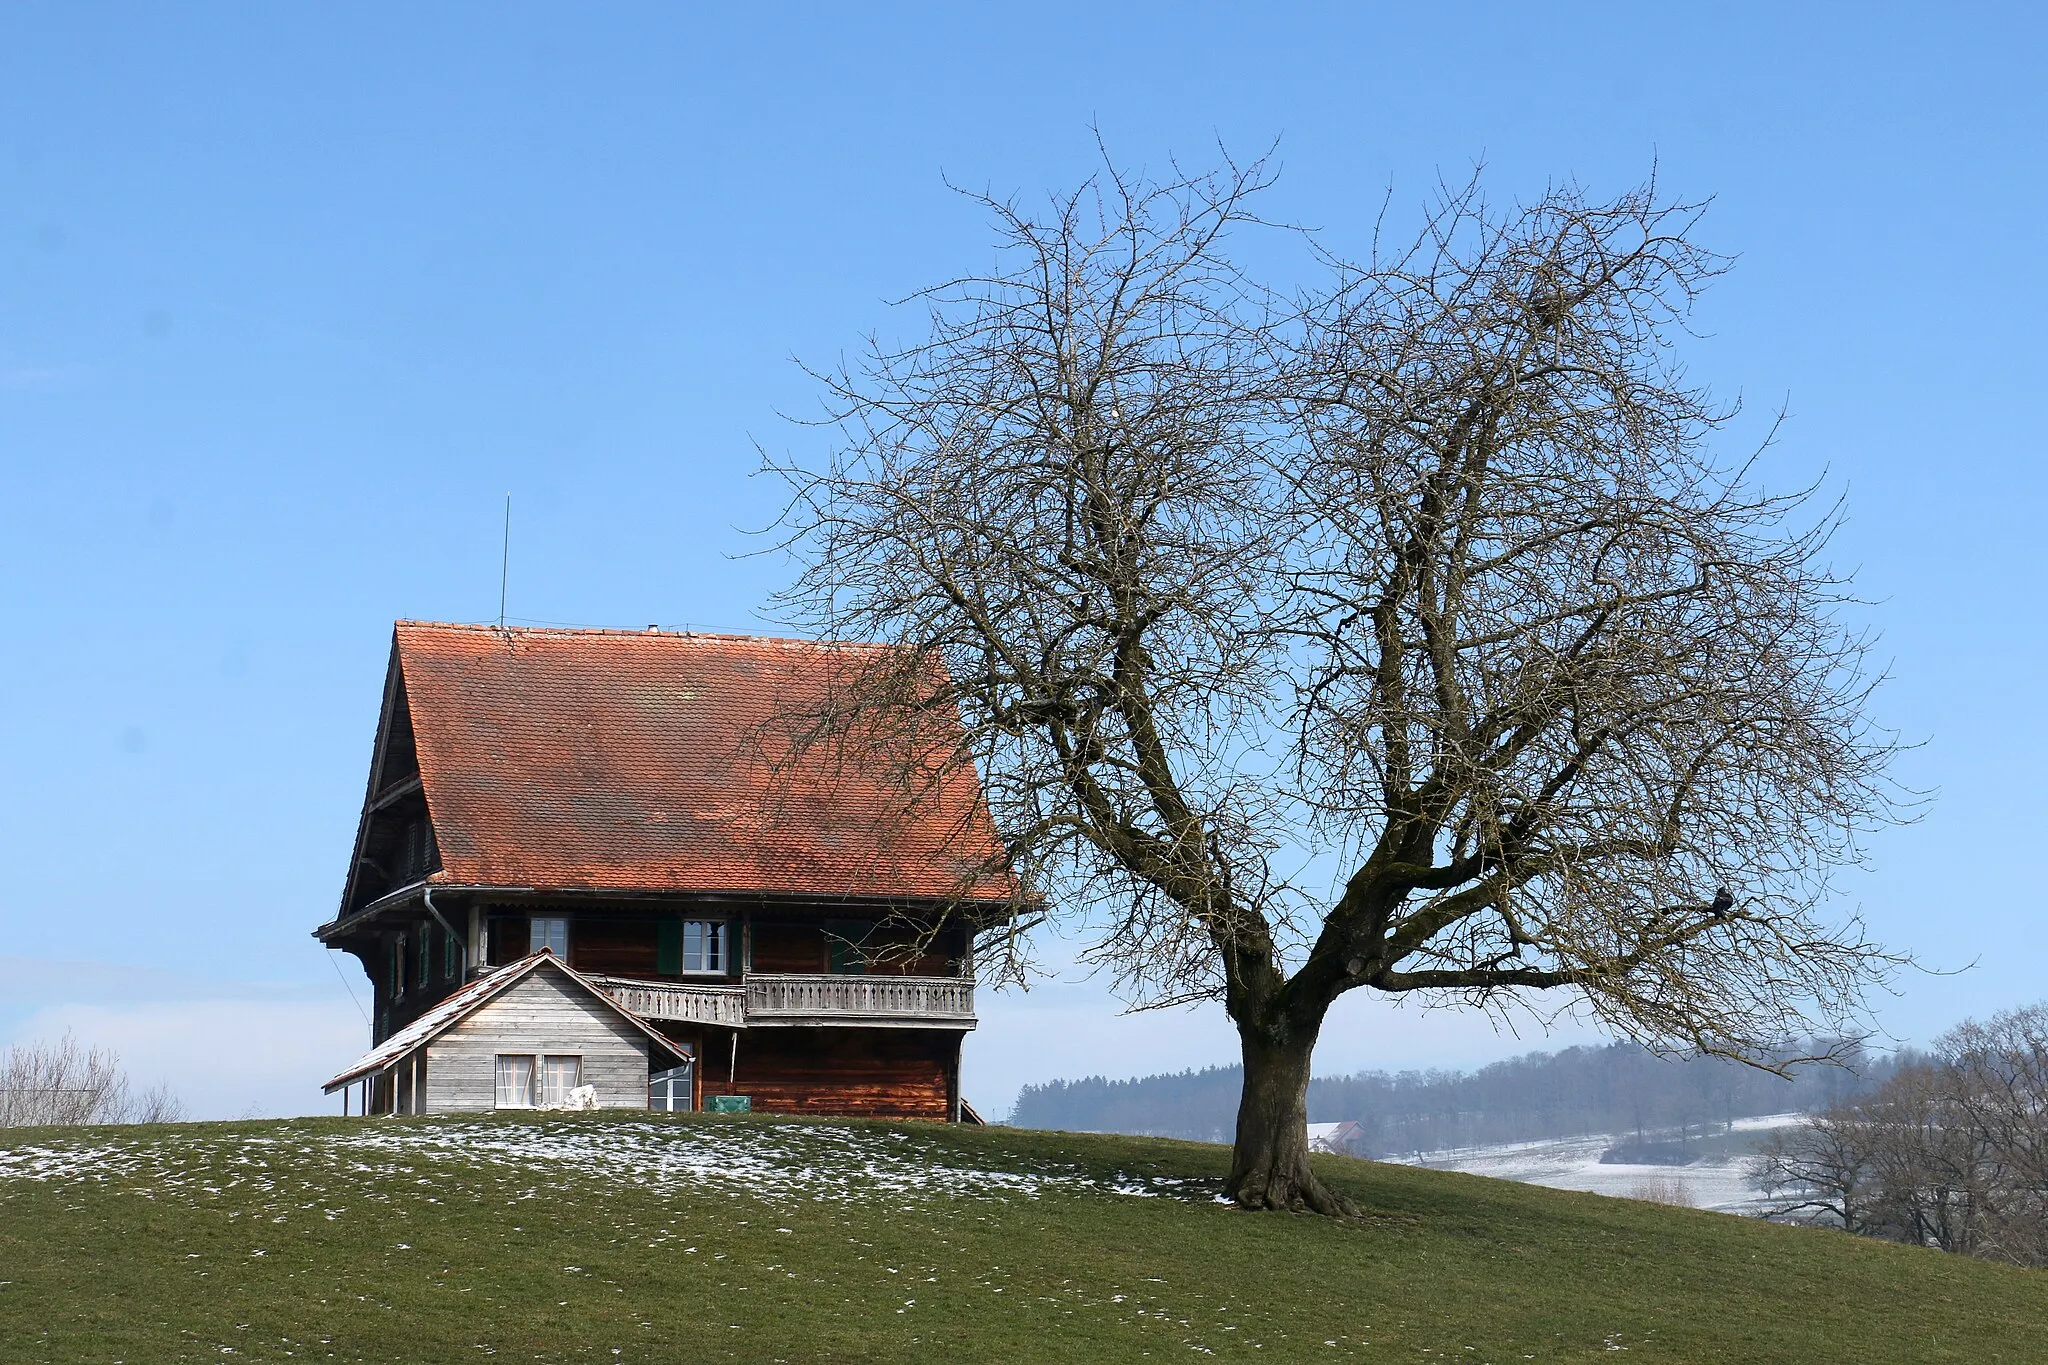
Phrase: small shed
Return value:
(532, 1035)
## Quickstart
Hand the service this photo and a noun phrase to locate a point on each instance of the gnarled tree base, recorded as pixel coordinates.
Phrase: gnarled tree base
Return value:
(1269, 1166)
(1287, 1189)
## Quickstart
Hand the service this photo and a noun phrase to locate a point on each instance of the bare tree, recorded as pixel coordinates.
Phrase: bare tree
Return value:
(1947, 1153)
(1403, 635)
(64, 1083)
(1820, 1170)
(1998, 1081)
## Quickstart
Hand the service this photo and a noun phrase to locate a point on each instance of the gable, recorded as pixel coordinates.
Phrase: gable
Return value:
(395, 842)
(544, 1012)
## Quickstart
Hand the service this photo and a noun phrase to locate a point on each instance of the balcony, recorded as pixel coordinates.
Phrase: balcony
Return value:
(885, 1001)
(792, 1001)
(725, 1006)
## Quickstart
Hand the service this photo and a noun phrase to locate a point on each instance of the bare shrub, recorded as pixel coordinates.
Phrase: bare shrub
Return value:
(64, 1083)
(1666, 1191)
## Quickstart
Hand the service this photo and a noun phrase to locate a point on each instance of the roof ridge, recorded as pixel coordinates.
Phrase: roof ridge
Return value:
(649, 633)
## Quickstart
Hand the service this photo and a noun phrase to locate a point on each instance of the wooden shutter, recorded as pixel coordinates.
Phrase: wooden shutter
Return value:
(668, 950)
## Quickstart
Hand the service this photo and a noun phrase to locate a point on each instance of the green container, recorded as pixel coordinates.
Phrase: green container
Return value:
(731, 1104)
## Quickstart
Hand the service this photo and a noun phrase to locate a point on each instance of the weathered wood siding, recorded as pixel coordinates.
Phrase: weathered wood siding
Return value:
(542, 1015)
(875, 1073)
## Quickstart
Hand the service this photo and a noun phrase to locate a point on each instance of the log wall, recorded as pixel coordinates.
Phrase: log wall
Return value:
(848, 1072)
(785, 947)
(615, 947)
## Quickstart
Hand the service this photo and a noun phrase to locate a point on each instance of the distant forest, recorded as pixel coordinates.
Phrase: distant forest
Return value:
(1617, 1088)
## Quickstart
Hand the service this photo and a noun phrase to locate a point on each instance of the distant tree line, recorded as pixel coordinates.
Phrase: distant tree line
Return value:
(1951, 1151)
(1620, 1088)
(64, 1083)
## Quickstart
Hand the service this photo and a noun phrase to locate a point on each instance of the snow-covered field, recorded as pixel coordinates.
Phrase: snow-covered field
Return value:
(1721, 1184)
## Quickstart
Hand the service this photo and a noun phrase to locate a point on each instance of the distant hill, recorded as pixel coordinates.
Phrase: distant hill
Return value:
(634, 1238)
(1616, 1088)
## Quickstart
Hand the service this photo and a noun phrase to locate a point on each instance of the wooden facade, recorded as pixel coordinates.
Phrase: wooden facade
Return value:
(786, 946)
(541, 1017)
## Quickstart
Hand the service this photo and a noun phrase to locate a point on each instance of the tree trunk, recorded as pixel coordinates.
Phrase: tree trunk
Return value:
(1269, 1165)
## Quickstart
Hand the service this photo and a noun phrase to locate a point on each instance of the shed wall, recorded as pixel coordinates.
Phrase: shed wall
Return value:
(542, 1014)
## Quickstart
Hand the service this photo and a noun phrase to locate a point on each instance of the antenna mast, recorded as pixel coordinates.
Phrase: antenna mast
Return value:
(505, 562)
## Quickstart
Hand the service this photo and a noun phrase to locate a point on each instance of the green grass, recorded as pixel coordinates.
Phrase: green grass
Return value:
(761, 1240)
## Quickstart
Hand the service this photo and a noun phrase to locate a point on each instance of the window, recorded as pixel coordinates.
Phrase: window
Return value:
(515, 1082)
(552, 934)
(536, 1082)
(691, 945)
(559, 1075)
(673, 1091)
(703, 945)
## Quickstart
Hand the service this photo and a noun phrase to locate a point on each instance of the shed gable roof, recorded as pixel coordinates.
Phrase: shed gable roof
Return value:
(614, 760)
(472, 997)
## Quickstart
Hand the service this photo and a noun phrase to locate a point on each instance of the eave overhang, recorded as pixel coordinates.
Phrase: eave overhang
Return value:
(992, 910)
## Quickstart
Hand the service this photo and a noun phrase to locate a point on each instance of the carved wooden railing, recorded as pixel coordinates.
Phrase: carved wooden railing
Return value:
(788, 999)
(899, 999)
(722, 1005)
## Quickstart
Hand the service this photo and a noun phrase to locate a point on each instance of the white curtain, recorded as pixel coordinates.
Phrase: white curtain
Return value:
(560, 1076)
(515, 1082)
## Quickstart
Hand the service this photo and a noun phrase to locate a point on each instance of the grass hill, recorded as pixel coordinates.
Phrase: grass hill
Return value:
(614, 1238)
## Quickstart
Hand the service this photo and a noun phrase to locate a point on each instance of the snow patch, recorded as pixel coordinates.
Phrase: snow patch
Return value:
(769, 1160)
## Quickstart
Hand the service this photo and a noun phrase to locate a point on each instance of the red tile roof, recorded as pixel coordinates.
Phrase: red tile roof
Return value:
(600, 760)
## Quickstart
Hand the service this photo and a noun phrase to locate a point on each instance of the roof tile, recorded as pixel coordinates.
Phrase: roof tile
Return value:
(599, 760)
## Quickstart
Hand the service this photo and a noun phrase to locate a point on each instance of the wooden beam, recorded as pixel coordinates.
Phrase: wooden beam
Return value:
(394, 793)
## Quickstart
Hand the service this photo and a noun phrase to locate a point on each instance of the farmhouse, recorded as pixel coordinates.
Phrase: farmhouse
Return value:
(595, 867)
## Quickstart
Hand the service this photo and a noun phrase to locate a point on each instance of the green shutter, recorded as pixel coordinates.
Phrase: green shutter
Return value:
(668, 952)
(845, 938)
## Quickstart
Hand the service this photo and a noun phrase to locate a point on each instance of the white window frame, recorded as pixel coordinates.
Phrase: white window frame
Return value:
(675, 1078)
(538, 938)
(539, 1068)
(499, 1078)
(714, 947)
(544, 1074)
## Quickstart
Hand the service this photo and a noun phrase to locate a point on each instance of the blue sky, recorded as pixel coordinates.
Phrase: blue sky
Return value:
(292, 296)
